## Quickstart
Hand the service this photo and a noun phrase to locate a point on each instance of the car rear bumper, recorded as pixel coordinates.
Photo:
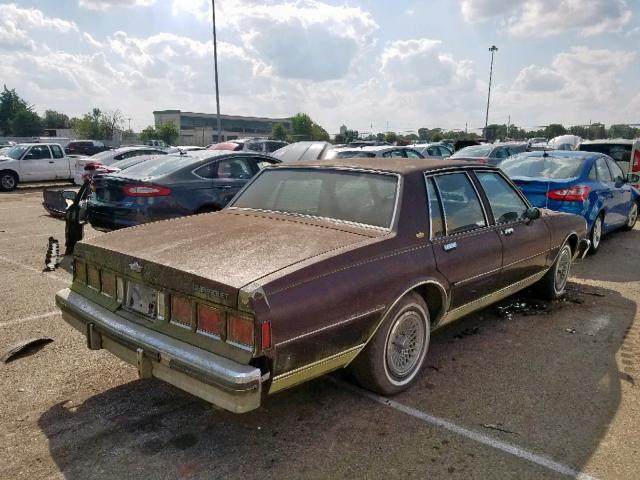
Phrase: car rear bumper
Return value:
(218, 380)
(583, 248)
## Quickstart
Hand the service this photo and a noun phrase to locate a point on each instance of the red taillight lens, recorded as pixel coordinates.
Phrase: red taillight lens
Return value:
(91, 166)
(146, 191)
(482, 160)
(240, 330)
(636, 162)
(180, 310)
(573, 194)
(209, 320)
(266, 336)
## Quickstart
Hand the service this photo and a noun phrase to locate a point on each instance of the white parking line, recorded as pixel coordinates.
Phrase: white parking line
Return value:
(29, 319)
(35, 270)
(509, 448)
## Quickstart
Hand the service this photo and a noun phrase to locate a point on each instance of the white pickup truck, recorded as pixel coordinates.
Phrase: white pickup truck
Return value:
(34, 162)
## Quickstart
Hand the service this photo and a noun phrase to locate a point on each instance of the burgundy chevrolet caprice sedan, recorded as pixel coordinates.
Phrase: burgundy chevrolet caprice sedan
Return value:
(315, 267)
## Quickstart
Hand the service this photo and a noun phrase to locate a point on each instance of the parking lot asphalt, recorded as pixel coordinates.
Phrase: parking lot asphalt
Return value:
(546, 392)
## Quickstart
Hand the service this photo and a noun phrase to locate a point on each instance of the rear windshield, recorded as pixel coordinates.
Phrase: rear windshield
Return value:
(357, 197)
(130, 162)
(619, 152)
(473, 151)
(549, 167)
(160, 165)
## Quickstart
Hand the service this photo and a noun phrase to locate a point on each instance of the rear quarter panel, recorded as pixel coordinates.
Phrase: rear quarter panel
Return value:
(561, 226)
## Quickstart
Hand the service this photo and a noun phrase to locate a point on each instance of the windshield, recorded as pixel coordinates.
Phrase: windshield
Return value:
(357, 197)
(549, 167)
(17, 152)
(473, 151)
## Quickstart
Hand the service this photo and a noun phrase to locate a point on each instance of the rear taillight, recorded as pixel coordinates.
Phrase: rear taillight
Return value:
(574, 194)
(209, 320)
(266, 336)
(146, 191)
(180, 311)
(240, 330)
(89, 167)
(482, 160)
(636, 162)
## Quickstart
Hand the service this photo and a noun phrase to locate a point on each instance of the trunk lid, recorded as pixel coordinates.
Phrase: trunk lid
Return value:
(535, 189)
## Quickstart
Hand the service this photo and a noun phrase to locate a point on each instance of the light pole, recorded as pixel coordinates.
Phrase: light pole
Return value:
(215, 67)
(493, 50)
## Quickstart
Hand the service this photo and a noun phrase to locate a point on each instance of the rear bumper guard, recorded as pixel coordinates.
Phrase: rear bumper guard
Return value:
(230, 385)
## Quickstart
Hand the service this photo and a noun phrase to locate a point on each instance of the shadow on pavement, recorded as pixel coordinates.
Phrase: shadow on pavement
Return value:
(550, 379)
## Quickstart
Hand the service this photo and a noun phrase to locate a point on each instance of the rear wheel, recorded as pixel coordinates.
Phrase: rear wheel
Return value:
(596, 234)
(554, 284)
(394, 356)
(8, 181)
(632, 217)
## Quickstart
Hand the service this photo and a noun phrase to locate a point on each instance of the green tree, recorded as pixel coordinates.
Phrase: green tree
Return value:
(53, 119)
(10, 105)
(623, 131)
(423, 134)
(391, 137)
(279, 132)
(436, 136)
(108, 123)
(554, 130)
(302, 126)
(168, 133)
(318, 133)
(149, 133)
(26, 123)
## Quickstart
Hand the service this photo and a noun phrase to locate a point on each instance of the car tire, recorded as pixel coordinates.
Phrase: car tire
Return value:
(595, 235)
(393, 357)
(8, 181)
(632, 217)
(554, 284)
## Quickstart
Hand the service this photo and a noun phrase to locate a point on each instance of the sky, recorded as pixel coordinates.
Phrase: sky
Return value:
(372, 65)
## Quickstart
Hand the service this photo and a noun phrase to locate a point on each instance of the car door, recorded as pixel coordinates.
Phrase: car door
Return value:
(605, 188)
(621, 191)
(525, 243)
(60, 163)
(37, 164)
(466, 247)
(228, 176)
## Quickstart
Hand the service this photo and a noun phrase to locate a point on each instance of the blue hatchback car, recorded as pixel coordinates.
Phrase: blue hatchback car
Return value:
(583, 183)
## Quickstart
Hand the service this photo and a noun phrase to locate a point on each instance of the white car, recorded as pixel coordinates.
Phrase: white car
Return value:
(85, 166)
(385, 151)
(184, 148)
(34, 162)
(434, 150)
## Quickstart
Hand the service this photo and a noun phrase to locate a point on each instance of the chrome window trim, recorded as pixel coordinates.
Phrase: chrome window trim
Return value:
(394, 214)
(444, 213)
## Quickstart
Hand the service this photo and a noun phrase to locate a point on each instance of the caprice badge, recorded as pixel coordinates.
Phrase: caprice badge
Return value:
(135, 267)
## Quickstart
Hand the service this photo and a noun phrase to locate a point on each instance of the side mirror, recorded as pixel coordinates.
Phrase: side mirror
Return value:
(532, 213)
(633, 178)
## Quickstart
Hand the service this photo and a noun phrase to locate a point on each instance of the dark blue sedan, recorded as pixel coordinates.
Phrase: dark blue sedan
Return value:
(588, 184)
(170, 186)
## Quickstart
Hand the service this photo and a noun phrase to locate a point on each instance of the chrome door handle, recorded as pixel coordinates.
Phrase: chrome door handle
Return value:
(507, 231)
(450, 246)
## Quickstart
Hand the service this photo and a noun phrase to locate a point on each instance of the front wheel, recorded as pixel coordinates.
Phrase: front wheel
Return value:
(554, 284)
(8, 181)
(393, 358)
(632, 217)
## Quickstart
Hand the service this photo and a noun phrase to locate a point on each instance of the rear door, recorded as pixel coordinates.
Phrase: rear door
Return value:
(525, 244)
(37, 164)
(605, 187)
(60, 163)
(621, 192)
(466, 247)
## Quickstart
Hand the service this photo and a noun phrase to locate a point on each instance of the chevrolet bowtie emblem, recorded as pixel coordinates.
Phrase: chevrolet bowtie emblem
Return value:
(135, 267)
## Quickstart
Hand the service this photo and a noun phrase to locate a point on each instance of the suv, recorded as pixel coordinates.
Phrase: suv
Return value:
(626, 153)
(85, 147)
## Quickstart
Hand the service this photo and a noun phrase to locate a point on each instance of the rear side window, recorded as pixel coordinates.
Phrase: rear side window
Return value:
(506, 204)
(412, 153)
(460, 203)
(603, 171)
(435, 210)
(57, 151)
(616, 171)
(236, 168)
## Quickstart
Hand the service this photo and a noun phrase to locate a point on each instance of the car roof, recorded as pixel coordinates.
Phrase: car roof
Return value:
(392, 165)
(623, 141)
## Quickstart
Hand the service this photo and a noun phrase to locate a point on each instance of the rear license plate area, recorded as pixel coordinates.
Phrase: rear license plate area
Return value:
(142, 299)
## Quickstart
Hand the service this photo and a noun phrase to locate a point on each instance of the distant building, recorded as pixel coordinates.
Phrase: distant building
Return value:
(202, 128)
(343, 130)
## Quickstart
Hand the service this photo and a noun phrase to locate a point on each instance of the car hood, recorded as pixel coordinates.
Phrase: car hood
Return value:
(231, 248)
(4, 158)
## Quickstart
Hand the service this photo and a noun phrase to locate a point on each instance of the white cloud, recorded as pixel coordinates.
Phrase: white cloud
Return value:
(302, 39)
(91, 41)
(411, 65)
(539, 79)
(550, 17)
(104, 5)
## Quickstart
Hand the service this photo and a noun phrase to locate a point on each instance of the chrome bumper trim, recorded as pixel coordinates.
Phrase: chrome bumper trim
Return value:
(583, 248)
(223, 382)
